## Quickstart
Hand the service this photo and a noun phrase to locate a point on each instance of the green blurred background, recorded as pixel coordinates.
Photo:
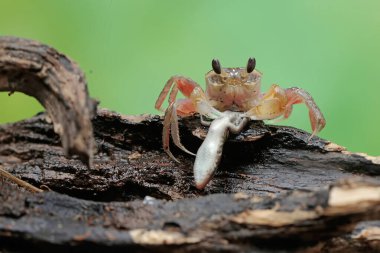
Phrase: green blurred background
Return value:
(128, 49)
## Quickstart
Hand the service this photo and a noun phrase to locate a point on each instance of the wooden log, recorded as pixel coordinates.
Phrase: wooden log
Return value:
(274, 189)
(130, 159)
(280, 198)
(218, 222)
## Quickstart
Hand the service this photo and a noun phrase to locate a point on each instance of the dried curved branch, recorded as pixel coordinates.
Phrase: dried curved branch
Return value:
(57, 83)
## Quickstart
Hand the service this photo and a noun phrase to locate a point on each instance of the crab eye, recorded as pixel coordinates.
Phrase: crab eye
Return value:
(216, 66)
(251, 65)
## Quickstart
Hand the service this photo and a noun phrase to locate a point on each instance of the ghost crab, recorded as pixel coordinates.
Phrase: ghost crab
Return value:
(232, 98)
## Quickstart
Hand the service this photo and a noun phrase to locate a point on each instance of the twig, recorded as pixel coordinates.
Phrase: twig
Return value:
(18, 181)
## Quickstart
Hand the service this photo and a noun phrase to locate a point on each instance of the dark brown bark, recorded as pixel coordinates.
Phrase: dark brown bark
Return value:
(57, 83)
(274, 190)
(215, 222)
(130, 165)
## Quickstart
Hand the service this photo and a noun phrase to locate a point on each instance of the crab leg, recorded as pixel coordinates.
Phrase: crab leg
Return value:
(196, 102)
(210, 152)
(170, 125)
(182, 107)
(298, 95)
(183, 84)
(277, 102)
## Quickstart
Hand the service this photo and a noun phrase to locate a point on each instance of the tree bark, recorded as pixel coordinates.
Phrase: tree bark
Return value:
(57, 83)
(274, 189)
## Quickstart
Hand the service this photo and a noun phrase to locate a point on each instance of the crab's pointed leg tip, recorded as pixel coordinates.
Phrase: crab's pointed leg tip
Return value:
(312, 136)
(172, 156)
(189, 152)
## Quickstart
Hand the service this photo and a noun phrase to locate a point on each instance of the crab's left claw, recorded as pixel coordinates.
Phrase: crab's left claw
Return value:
(296, 96)
(279, 102)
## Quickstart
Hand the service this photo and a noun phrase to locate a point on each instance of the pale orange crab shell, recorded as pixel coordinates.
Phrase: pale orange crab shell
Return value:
(233, 89)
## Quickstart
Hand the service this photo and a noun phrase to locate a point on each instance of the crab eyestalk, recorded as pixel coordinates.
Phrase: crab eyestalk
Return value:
(216, 66)
(251, 65)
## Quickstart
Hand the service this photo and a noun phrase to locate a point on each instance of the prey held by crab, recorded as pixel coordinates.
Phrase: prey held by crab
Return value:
(232, 98)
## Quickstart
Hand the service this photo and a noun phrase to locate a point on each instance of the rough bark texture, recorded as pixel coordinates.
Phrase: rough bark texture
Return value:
(220, 222)
(57, 83)
(274, 190)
